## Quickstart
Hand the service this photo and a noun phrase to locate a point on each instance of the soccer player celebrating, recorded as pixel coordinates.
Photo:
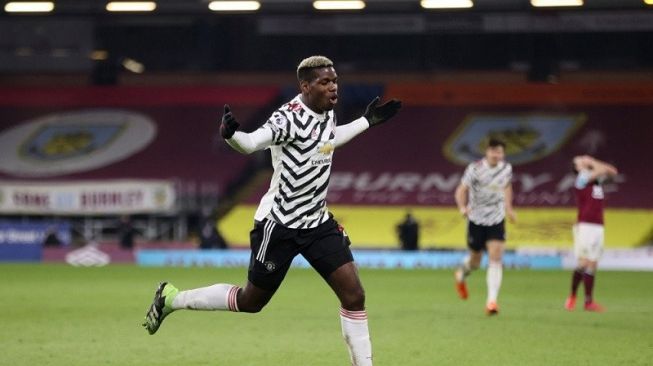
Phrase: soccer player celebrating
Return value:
(292, 217)
(588, 231)
(484, 197)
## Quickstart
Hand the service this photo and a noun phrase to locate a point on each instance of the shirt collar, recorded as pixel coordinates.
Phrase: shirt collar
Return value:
(487, 165)
(319, 116)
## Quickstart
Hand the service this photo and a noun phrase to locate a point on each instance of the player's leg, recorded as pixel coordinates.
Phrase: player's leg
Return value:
(329, 254)
(496, 237)
(577, 274)
(471, 262)
(588, 281)
(218, 297)
(168, 298)
(263, 281)
(576, 280)
(346, 284)
(250, 299)
(494, 275)
(594, 252)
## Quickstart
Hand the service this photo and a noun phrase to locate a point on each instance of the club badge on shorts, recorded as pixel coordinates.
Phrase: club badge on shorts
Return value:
(270, 266)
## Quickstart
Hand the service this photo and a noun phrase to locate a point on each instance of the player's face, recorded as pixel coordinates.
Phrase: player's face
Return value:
(494, 155)
(322, 91)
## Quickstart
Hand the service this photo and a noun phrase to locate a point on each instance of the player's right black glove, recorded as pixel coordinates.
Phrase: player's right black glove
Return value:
(377, 114)
(229, 125)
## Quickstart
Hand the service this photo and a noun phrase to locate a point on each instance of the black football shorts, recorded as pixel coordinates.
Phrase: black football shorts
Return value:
(274, 246)
(479, 235)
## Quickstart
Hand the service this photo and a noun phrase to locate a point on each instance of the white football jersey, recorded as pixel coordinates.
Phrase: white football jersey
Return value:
(487, 191)
(302, 150)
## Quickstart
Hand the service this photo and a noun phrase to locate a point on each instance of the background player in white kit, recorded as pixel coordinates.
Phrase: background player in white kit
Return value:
(292, 217)
(588, 231)
(484, 197)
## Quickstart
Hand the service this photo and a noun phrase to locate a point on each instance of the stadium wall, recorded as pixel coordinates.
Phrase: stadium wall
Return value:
(442, 227)
(94, 133)
(413, 162)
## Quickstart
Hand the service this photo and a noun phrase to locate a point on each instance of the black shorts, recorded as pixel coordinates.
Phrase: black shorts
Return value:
(274, 246)
(479, 235)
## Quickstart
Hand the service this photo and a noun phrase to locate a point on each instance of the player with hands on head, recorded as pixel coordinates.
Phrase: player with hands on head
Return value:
(588, 230)
(292, 217)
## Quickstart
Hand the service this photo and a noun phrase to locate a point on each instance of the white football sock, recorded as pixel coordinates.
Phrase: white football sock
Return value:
(357, 336)
(494, 276)
(215, 297)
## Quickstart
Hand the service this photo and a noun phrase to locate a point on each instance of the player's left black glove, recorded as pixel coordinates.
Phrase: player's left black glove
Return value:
(377, 114)
(229, 124)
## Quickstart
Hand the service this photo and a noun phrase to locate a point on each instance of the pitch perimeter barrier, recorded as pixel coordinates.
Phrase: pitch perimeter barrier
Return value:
(364, 258)
(23, 241)
(640, 259)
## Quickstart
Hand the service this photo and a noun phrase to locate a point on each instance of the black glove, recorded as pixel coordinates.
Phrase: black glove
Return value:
(229, 124)
(377, 114)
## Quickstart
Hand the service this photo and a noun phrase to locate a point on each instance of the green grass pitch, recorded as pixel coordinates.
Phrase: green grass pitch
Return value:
(60, 315)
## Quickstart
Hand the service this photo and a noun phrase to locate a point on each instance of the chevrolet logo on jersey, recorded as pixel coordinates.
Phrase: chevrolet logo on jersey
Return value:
(528, 137)
(58, 142)
(326, 149)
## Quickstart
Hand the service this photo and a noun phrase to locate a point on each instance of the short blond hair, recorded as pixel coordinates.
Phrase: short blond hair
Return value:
(308, 64)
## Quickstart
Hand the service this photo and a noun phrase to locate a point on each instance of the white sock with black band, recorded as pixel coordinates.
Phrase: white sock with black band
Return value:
(215, 297)
(357, 336)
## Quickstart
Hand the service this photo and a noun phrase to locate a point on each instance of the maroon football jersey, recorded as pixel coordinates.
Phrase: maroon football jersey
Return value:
(589, 200)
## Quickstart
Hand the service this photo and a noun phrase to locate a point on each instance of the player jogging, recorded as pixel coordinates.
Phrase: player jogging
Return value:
(484, 197)
(588, 231)
(292, 217)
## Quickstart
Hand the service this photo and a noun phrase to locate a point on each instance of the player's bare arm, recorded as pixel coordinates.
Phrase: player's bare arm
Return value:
(601, 168)
(461, 196)
(598, 168)
(508, 204)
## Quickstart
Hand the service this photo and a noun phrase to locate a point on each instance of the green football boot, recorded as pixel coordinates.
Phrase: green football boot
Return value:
(161, 306)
